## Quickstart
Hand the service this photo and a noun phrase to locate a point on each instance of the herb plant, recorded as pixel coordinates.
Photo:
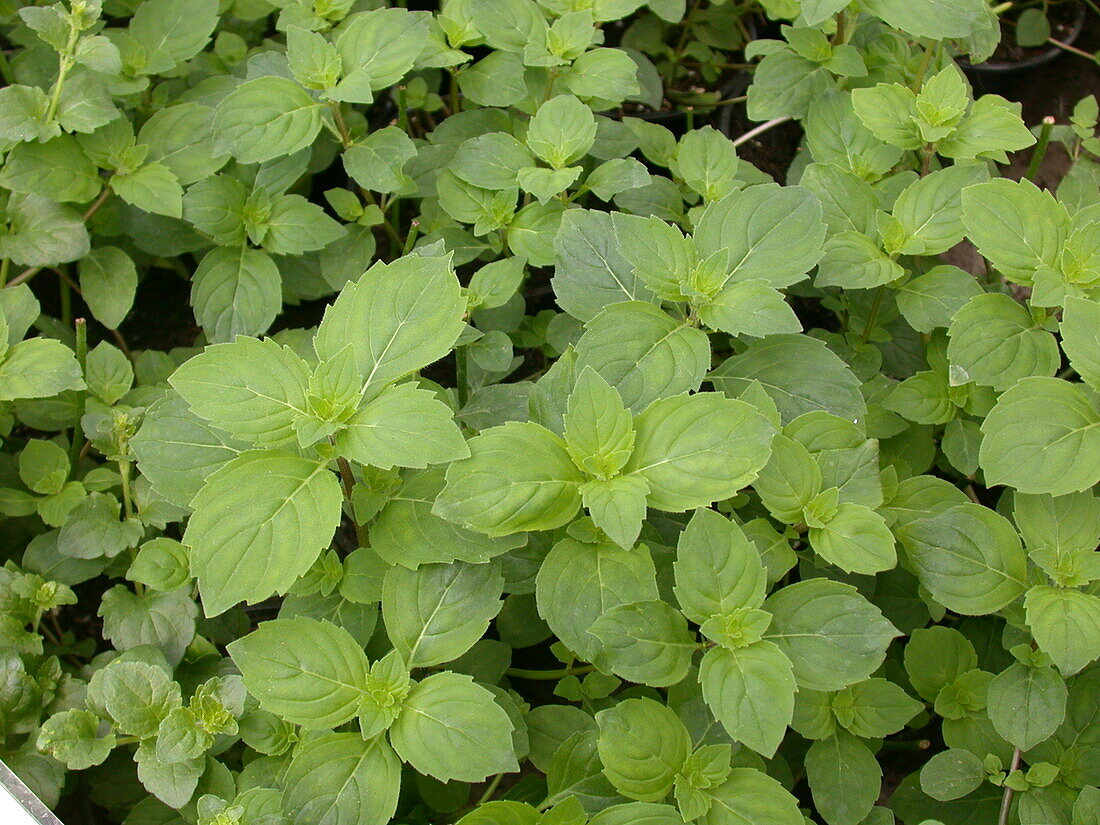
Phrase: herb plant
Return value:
(607, 481)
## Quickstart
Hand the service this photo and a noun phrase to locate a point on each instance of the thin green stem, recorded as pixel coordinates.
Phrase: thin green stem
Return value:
(461, 381)
(1071, 49)
(77, 441)
(763, 127)
(674, 63)
(5, 265)
(872, 316)
(1006, 798)
(66, 60)
(127, 499)
(491, 789)
(1040, 149)
(548, 675)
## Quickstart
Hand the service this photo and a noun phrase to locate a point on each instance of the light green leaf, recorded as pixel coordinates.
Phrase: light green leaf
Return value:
(38, 368)
(377, 48)
(856, 539)
(1066, 625)
(769, 232)
(936, 19)
(259, 523)
(577, 583)
(930, 210)
(995, 342)
(377, 161)
(952, 774)
(968, 557)
(832, 635)
(266, 118)
(307, 672)
(339, 779)
(398, 317)
(108, 282)
(404, 426)
(1027, 704)
(519, 476)
(1018, 227)
(642, 745)
(718, 569)
(435, 613)
(452, 729)
(252, 389)
(562, 131)
(751, 797)
(799, 373)
(697, 449)
(152, 187)
(645, 642)
(236, 291)
(932, 299)
(1036, 435)
(617, 506)
(749, 308)
(1080, 330)
(844, 778)
(751, 691)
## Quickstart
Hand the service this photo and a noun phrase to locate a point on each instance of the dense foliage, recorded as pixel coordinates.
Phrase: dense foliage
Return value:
(617, 484)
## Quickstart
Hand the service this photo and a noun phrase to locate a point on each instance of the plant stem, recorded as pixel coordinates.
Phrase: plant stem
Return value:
(347, 482)
(763, 127)
(489, 791)
(674, 63)
(1040, 149)
(30, 272)
(1071, 49)
(77, 441)
(124, 473)
(462, 385)
(1006, 799)
(872, 316)
(548, 675)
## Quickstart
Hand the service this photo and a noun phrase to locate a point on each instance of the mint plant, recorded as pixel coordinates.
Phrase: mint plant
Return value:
(525, 461)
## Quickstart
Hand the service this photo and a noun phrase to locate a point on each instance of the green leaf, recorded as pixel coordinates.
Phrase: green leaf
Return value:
(707, 161)
(519, 476)
(161, 564)
(889, 111)
(562, 131)
(936, 19)
(171, 33)
(936, 657)
(235, 291)
(42, 233)
(832, 635)
(697, 449)
(930, 210)
(952, 774)
(294, 226)
(718, 569)
(769, 232)
(968, 557)
(749, 308)
(1018, 227)
(307, 672)
(491, 161)
(266, 118)
(751, 797)
(259, 523)
(995, 342)
(404, 426)
(72, 737)
(577, 583)
(789, 481)
(856, 540)
(377, 161)
(1035, 436)
(603, 75)
(799, 373)
(135, 695)
(875, 708)
(643, 353)
(495, 80)
(932, 299)
(435, 613)
(1066, 625)
(44, 466)
(642, 745)
(176, 449)
(152, 187)
(617, 506)
(750, 690)
(1080, 338)
(339, 779)
(1027, 704)
(854, 261)
(181, 137)
(452, 729)
(108, 282)
(381, 45)
(645, 642)
(398, 317)
(252, 389)
(163, 620)
(844, 778)
(57, 169)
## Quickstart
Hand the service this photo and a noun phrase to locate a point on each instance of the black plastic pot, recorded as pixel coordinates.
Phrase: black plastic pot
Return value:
(1000, 77)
